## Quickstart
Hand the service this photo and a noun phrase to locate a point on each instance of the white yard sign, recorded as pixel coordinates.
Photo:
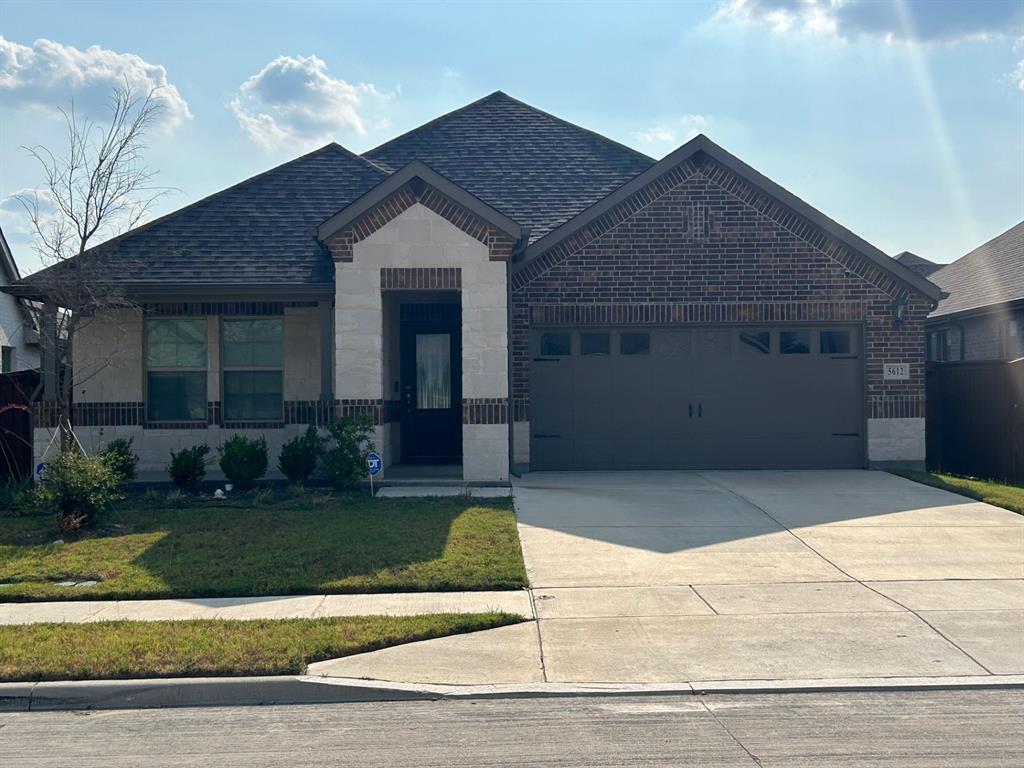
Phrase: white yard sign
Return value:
(895, 371)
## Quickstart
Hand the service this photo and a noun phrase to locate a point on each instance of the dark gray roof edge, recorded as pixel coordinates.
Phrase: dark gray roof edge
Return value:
(981, 309)
(167, 216)
(702, 143)
(233, 291)
(394, 182)
(7, 258)
(499, 92)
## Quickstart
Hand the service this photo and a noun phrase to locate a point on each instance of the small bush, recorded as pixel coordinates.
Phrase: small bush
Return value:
(175, 499)
(76, 488)
(348, 443)
(188, 467)
(17, 498)
(300, 454)
(262, 497)
(121, 459)
(243, 460)
(151, 496)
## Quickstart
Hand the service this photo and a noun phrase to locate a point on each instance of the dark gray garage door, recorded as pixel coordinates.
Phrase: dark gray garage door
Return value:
(771, 397)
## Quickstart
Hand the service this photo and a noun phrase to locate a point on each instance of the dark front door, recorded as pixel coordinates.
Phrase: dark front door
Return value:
(431, 355)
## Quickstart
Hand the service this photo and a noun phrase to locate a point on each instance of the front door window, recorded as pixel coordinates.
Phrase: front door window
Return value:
(433, 371)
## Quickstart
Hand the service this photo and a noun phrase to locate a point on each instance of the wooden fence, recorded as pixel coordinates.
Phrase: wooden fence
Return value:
(975, 420)
(16, 424)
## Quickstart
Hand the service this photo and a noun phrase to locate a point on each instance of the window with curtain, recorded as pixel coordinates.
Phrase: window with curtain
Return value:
(252, 353)
(176, 369)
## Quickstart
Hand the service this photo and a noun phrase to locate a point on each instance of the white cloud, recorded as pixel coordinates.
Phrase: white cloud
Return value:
(924, 21)
(675, 132)
(1017, 75)
(294, 101)
(48, 75)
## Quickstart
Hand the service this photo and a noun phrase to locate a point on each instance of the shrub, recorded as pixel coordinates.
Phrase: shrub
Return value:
(17, 498)
(348, 443)
(175, 499)
(262, 497)
(188, 466)
(243, 460)
(300, 454)
(121, 459)
(76, 488)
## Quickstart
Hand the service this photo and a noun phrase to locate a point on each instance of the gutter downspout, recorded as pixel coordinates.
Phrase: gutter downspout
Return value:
(517, 251)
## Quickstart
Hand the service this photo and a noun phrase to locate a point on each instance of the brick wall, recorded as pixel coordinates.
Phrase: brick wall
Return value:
(700, 245)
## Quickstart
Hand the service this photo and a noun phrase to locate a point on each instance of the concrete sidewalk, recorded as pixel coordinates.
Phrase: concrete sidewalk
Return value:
(285, 607)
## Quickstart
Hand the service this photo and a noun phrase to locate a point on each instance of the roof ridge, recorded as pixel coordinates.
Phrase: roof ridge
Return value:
(430, 122)
(334, 146)
(987, 243)
(494, 95)
(563, 121)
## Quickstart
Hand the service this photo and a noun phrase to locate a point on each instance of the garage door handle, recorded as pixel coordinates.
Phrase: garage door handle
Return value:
(846, 434)
(541, 436)
(700, 410)
(691, 410)
(546, 359)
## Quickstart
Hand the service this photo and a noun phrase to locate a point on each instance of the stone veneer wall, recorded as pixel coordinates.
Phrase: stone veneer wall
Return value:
(425, 244)
(700, 245)
(108, 359)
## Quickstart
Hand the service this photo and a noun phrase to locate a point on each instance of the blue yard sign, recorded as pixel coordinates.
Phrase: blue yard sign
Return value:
(375, 463)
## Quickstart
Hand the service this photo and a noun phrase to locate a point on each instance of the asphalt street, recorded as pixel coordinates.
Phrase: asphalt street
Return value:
(973, 729)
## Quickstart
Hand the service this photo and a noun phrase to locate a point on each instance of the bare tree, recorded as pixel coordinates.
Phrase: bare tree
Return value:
(98, 187)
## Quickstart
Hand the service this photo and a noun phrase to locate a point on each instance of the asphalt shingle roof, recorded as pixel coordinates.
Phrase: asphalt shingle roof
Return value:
(917, 263)
(533, 167)
(262, 230)
(992, 273)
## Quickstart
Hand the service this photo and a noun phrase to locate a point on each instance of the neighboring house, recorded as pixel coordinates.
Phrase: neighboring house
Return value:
(19, 342)
(499, 287)
(982, 316)
(916, 263)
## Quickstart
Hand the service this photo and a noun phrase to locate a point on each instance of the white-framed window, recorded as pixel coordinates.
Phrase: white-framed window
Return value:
(175, 369)
(252, 364)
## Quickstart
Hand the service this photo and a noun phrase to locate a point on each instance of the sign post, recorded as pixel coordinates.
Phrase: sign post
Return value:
(374, 464)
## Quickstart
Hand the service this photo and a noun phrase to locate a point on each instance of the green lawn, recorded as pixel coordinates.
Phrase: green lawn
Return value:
(1007, 496)
(211, 648)
(348, 543)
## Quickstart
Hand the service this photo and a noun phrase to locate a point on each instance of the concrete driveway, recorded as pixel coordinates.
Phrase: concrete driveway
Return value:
(664, 577)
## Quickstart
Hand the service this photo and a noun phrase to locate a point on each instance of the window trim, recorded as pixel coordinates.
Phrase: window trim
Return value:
(146, 369)
(224, 369)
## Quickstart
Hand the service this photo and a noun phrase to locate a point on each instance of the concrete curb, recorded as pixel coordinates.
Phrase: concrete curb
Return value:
(256, 691)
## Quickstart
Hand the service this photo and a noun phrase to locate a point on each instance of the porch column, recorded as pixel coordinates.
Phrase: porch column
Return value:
(326, 350)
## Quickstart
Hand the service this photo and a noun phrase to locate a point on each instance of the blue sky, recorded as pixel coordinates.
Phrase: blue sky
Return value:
(904, 121)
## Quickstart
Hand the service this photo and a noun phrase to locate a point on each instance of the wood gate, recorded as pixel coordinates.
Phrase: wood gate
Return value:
(975, 420)
(16, 424)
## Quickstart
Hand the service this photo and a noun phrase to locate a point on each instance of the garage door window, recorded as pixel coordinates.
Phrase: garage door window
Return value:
(834, 343)
(595, 344)
(757, 342)
(795, 342)
(556, 344)
(635, 344)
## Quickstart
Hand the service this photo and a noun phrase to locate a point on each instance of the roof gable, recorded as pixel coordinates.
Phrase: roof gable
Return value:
(411, 173)
(993, 273)
(618, 205)
(533, 167)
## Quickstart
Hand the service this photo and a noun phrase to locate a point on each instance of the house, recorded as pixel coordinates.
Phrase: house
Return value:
(19, 341)
(501, 289)
(982, 316)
